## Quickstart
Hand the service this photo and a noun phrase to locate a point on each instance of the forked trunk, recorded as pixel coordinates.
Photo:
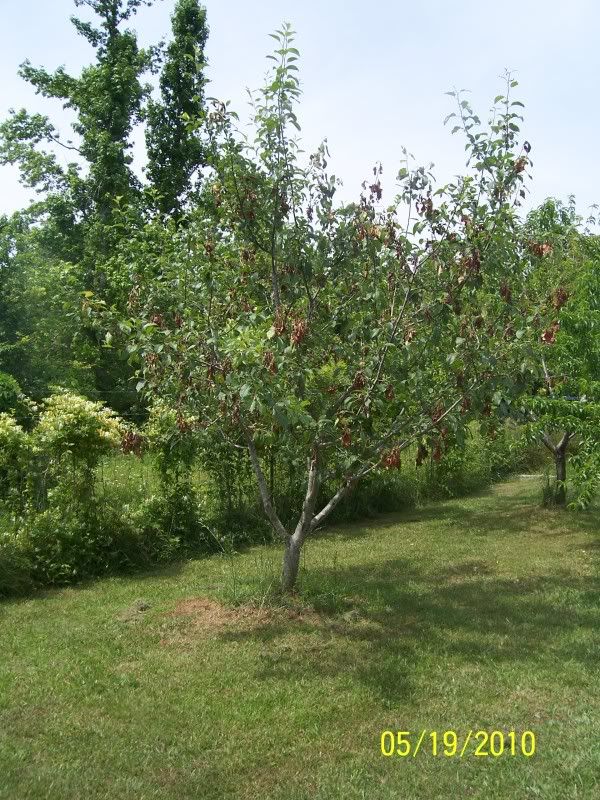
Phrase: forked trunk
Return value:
(308, 521)
(560, 458)
(559, 451)
(291, 564)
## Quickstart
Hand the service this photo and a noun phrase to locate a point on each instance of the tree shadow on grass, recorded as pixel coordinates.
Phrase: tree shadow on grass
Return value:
(57, 592)
(500, 514)
(464, 615)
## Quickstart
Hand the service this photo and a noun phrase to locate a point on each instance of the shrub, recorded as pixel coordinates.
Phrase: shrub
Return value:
(10, 393)
(82, 430)
(170, 521)
(174, 442)
(66, 529)
(15, 567)
(15, 452)
(62, 546)
(68, 442)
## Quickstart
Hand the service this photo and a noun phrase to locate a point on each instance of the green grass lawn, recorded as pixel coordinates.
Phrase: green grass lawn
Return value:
(479, 613)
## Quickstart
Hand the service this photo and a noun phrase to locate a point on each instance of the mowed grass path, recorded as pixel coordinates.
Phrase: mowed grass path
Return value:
(479, 613)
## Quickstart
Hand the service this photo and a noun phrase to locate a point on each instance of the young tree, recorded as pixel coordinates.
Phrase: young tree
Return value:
(340, 333)
(564, 408)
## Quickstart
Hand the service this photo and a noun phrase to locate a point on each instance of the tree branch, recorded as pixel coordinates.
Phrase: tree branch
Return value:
(66, 146)
(366, 468)
(549, 443)
(312, 488)
(264, 490)
(562, 445)
(319, 518)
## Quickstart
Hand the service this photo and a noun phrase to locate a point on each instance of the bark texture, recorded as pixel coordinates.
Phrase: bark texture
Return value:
(559, 451)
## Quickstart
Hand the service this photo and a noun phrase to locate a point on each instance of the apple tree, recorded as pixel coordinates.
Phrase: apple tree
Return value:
(342, 333)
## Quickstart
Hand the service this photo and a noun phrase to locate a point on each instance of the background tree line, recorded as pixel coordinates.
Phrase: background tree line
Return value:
(61, 246)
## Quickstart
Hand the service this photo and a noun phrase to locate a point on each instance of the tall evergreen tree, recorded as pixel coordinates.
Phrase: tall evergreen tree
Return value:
(174, 151)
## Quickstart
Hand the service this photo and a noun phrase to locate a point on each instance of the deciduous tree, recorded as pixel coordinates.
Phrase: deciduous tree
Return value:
(341, 332)
(564, 408)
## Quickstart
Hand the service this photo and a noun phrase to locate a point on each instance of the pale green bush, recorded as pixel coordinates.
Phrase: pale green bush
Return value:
(15, 456)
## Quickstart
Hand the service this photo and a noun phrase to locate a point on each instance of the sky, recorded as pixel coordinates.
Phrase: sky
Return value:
(374, 76)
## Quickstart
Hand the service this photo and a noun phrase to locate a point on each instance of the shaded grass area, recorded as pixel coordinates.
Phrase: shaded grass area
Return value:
(480, 613)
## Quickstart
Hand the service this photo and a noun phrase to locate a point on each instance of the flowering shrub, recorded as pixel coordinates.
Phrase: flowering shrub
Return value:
(82, 429)
(14, 457)
(47, 479)
(70, 438)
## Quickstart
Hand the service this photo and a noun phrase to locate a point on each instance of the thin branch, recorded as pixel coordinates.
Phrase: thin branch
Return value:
(549, 443)
(66, 146)
(366, 468)
(312, 489)
(264, 490)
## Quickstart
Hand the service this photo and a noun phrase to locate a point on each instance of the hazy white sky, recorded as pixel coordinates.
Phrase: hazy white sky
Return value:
(373, 76)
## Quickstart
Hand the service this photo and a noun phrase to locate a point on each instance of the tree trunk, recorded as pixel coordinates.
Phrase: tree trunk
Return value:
(291, 564)
(271, 473)
(308, 521)
(559, 451)
(560, 458)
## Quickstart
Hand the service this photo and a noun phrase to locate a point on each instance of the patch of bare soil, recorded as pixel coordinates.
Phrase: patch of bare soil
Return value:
(197, 618)
(209, 614)
(205, 613)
